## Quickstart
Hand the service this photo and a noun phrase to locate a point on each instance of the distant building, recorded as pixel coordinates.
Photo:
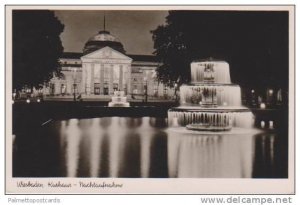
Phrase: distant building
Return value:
(104, 67)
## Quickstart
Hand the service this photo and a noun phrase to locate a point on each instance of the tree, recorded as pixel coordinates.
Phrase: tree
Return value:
(36, 47)
(254, 43)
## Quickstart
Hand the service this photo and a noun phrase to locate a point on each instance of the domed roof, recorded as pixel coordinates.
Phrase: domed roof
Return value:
(210, 59)
(101, 40)
(104, 36)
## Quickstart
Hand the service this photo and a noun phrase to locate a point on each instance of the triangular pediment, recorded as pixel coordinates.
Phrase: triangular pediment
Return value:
(106, 53)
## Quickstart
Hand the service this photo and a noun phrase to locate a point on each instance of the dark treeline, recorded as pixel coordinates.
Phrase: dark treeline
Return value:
(254, 43)
(36, 47)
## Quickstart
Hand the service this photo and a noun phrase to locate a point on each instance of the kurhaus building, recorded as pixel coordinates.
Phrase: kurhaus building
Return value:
(104, 67)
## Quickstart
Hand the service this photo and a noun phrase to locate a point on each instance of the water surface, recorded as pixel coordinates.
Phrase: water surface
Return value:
(144, 147)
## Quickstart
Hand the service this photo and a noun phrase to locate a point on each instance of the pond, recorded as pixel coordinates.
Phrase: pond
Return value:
(144, 147)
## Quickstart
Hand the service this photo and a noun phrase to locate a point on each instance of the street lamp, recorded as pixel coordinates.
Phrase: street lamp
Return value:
(14, 96)
(253, 98)
(263, 106)
(176, 87)
(74, 84)
(271, 91)
(40, 95)
(146, 89)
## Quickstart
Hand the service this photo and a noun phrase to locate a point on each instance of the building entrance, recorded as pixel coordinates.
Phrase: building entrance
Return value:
(105, 89)
(97, 89)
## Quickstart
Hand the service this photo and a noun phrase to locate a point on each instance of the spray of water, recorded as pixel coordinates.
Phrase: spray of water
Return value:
(221, 72)
(235, 119)
(229, 95)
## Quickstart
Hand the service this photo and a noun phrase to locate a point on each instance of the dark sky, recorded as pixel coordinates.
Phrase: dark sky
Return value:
(131, 27)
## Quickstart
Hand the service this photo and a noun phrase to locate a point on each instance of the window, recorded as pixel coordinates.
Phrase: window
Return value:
(165, 90)
(135, 90)
(63, 77)
(63, 89)
(125, 88)
(105, 88)
(75, 88)
(155, 90)
(52, 88)
(97, 88)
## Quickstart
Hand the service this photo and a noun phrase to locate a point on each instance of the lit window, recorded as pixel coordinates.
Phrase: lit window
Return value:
(63, 89)
(165, 90)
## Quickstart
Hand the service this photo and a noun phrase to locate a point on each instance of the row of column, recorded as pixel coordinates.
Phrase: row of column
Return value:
(89, 77)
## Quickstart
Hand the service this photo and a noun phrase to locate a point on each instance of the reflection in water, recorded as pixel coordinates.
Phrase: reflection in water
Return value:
(116, 147)
(143, 147)
(73, 137)
(206, 156)
(95, 137)
(146, 140)
(266, 159)
(272, 139)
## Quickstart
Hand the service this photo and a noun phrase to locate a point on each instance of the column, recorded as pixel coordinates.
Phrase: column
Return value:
(111, 80)
(129, 91)
(83, 80)
(121, 78)
(88, 80)
(101, 79)
(97, 72)
(92, 73)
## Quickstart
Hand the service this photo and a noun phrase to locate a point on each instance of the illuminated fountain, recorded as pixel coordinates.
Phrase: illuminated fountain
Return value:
(210, 102)
(118, 100)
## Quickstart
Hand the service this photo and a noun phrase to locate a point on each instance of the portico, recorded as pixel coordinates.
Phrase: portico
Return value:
(105, 71)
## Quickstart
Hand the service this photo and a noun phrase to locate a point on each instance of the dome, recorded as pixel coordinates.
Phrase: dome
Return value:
(210, 59)
(101, 40)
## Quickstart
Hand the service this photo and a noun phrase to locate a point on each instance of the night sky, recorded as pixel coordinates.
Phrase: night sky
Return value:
(131, 27)
(254, 43)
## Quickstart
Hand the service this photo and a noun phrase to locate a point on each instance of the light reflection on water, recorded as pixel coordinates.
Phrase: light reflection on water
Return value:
(208, 156)
(145, 147)
(73, 138)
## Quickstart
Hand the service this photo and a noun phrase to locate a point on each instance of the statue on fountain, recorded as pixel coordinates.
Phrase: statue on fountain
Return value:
(118, 100)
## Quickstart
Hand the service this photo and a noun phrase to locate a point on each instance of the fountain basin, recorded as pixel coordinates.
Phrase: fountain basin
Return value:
(224, 93)
(221, 71)
(207, 127)
(217, 117)
(115, 104)
(183, 131)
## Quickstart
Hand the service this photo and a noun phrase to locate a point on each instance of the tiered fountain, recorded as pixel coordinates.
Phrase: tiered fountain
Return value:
(118, 100)
(210, 102)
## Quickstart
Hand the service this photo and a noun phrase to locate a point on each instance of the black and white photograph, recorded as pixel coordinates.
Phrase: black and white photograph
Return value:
(150, 99)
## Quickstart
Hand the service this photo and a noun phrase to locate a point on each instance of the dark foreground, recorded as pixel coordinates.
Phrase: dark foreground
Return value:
(94, 141)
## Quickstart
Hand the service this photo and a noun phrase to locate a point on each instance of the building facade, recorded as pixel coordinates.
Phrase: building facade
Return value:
(104, 67)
